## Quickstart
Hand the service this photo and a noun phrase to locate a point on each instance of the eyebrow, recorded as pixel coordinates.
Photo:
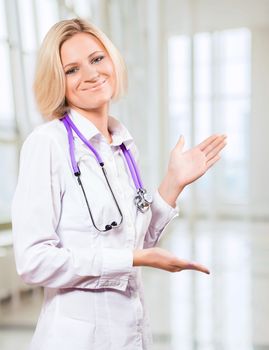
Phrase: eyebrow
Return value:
(70, 64)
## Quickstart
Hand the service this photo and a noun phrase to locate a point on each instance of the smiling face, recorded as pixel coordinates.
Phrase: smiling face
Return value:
(89, 72)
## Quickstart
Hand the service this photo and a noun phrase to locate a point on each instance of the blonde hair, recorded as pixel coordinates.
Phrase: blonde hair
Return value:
(49, 82)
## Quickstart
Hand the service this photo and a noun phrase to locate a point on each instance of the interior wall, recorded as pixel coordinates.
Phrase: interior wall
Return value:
(259, 124)
(207, 15)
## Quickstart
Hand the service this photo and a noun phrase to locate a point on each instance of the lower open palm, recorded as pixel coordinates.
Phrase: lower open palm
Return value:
(164, 260)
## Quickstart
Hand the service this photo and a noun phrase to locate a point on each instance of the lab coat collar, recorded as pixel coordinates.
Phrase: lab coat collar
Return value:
(118, 131)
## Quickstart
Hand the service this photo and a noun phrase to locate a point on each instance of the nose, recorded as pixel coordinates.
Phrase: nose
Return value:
(89, 73)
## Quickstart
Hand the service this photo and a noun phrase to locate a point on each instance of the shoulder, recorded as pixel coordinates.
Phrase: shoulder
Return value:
(52, 132)
(47, 140)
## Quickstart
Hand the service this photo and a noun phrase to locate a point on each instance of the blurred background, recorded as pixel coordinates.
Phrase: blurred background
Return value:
(196, 67)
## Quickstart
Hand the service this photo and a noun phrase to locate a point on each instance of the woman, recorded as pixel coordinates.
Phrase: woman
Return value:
(82, 221)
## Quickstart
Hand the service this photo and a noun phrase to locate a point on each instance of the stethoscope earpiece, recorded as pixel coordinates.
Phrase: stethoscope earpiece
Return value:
(109, 227)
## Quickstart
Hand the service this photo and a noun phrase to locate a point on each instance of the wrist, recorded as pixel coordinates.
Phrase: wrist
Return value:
(170, 189)
(173, 182)
(140, 257)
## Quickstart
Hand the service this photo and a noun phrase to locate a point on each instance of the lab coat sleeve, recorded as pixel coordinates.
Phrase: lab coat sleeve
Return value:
(36, 210)
(162, 214)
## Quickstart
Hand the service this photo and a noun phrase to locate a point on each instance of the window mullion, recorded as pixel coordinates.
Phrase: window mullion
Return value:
(17, 72)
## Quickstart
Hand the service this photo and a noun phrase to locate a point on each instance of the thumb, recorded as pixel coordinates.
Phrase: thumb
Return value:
(180, 143)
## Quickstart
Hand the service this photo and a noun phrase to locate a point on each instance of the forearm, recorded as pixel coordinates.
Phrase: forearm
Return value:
(169, 189)
(140, 257)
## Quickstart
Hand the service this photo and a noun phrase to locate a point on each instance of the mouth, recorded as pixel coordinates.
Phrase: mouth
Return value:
(96, 86)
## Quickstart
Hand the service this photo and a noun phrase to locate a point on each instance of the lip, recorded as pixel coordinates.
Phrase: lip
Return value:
(97, 86)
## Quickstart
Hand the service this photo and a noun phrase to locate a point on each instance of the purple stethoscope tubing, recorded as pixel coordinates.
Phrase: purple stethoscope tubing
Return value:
(132, 166)
(127, 154)
(71, 146)
(141, 202)
(67, 120)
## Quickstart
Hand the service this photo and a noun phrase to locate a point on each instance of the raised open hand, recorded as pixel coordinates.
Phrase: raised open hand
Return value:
(186, 167)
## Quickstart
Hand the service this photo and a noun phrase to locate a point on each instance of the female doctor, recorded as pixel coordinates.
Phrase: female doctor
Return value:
(82, 220)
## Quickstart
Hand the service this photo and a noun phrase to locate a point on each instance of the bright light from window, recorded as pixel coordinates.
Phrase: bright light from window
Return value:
(47, 16)
(7, 108)
(218, 102)
(3, 24)
(27, 27)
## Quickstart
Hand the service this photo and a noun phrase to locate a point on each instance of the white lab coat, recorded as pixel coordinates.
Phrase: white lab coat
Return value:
(93, 298)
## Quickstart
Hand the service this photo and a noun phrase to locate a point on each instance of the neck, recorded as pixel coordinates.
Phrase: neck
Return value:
(99, 117)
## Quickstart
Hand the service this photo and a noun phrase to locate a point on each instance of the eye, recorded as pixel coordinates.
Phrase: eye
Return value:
(71, 70)
(98, 59)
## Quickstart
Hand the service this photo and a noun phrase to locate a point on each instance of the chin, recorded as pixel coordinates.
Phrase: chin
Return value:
(94, 105)
(98, 102)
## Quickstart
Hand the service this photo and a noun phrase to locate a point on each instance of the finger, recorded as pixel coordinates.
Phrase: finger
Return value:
(215, 151)
(197, 267)
(207, 141)
(212, 161)
(214, 144)
(191, 265)
(180, 143)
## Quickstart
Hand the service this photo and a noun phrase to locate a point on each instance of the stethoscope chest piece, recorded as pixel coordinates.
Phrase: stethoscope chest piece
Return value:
(143, 200)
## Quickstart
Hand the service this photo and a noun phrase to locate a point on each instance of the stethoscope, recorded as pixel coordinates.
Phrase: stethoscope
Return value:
(142, 199)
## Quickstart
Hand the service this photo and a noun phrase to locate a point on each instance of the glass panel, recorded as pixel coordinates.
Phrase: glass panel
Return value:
(3, 24)
(47, 16)
(8, 156)
(179, 50)
(235, 45)
(179, 67)
(27, 27)
(7, 108)
(29, 62)
(179, 87)
(202, 80)
(233, 185)
(202, 48)
(203, 125)
(234, 122)
(179, 122)
(180, 84)
(234, 78)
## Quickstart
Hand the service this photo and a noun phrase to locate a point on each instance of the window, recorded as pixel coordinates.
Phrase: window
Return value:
(209, 92)
(8, 150)
(23, 25)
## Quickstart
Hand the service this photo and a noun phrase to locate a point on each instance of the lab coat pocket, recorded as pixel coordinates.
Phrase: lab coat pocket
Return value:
(71, 334)
(77, 304)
